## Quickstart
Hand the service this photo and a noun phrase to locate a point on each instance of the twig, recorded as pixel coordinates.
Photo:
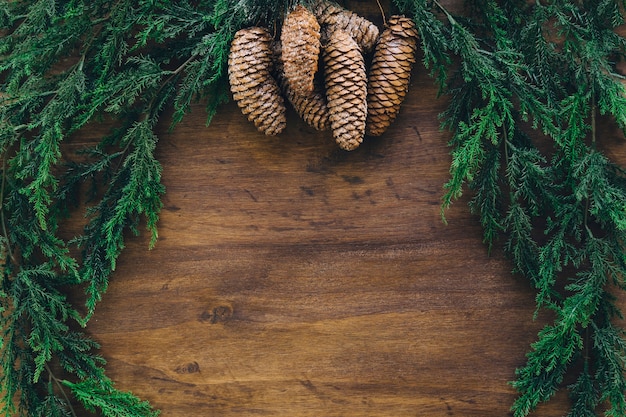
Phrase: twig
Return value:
(62, 389)
(593, 119)
(382, 12)
(2, 218)
(446, 12)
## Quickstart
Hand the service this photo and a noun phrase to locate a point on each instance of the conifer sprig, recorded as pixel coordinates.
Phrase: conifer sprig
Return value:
(512, 70)
(64, 65)
(560, 204)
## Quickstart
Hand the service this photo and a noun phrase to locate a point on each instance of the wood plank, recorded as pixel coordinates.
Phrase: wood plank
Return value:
(294, 279)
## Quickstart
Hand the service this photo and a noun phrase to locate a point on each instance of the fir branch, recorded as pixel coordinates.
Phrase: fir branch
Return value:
(555, 199)
(487, 201)
(100, 394)
(561, 211)
(609, 351)
(64, 65)
(434, 37)
(584, 395)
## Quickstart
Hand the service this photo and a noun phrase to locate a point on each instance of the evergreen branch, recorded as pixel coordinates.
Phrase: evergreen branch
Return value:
(100, 394)
(487, 201)
(59, 385)
(557, 201)
(610, 362)
(434, 38)
(584, 395)
(573, 198)
(547, 363)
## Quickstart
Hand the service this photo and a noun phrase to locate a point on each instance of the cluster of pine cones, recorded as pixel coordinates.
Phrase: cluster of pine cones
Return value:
(335, 92)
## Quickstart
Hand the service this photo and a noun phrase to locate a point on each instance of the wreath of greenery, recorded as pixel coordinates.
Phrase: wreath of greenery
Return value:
(508, 68)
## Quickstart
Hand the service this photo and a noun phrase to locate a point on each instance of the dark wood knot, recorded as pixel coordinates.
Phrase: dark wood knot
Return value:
(188, 368)
(217, 314)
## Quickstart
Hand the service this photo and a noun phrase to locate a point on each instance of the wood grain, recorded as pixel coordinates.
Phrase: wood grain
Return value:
(294, 279)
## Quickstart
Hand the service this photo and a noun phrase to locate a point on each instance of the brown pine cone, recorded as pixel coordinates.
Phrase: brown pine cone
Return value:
(300, 39)
(362, 30)
(346, 89)
(257, 94)
(390, 73)
(311, 106)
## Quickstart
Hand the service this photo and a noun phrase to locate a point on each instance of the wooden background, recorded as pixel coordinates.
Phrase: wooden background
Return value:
(294, 279)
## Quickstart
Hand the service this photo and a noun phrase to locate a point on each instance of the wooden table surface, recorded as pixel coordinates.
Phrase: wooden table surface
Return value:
(295, 279)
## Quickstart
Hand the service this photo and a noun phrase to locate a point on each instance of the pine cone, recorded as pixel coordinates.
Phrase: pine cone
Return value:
(300, 38)
(346, 89)
(311, 106)
(362, 30)
(254, 89)
(390, 73)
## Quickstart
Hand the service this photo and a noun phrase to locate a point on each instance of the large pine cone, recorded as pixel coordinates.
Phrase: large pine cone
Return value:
(346, 89)
(300, 39)
(250, 63)
(310, 106)
(390, 73)
(362, 30)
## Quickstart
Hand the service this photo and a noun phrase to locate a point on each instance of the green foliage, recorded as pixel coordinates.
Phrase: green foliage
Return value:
(512, 71)
(63, 65)
(101, 395)
(557, 202)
